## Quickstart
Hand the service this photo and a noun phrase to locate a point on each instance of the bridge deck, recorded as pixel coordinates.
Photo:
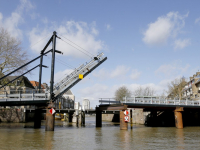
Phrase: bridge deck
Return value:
(150, 103)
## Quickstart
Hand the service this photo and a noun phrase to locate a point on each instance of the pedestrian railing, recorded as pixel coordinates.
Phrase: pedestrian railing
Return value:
(4, 97)
(150, 100)
(109, 101)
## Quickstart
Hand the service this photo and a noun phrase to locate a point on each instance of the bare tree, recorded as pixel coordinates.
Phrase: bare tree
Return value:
(11, 53)
(163, 95)
(175, 88)
(122, 92)
(144, 91)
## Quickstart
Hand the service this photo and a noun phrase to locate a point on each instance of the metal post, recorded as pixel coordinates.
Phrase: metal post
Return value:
(50, 119)
(40, 74)
(53, 62)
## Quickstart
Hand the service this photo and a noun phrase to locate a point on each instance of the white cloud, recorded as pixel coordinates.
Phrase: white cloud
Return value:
(135, 74)
(174, 69)
(34, 15)
(45, 21)
(1, 17)
(11, 23)
(119, 72)
(80, 33)
(93, 93)
(180, 44)
(24, 5)
(164, 27)
(108, 26)
(197, 21)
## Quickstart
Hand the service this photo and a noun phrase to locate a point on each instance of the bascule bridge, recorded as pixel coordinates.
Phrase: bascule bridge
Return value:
(46, 99)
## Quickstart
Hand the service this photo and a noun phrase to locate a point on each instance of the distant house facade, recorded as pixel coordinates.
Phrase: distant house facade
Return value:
(21, 84)
(66, 101)
(86, 104)
(192, 88)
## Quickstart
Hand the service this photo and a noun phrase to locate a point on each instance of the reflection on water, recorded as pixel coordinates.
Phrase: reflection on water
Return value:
(69, 136)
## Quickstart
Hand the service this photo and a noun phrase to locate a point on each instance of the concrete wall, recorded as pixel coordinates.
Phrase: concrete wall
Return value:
(110, 117)
(12, 115)
(138, 116)
(107, 117)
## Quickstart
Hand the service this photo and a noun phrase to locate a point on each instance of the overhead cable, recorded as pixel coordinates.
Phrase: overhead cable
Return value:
(78, 46)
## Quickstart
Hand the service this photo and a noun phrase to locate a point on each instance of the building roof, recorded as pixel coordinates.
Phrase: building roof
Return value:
(69, 92)
(36, 84)
(23, 81)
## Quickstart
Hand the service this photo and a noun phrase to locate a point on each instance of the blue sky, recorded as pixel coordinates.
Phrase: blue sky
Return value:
(148, 43)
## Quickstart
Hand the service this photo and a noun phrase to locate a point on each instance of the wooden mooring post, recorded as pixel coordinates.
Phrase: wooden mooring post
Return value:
(123, 124)
(50, 118)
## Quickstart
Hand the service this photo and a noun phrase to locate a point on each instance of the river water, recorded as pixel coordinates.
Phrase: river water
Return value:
(67, 136)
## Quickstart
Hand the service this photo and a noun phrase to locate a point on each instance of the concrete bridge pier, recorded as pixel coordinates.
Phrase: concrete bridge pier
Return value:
(178, 117)
(37, 118)
(123, 124)
(50, 119)
(98, 117)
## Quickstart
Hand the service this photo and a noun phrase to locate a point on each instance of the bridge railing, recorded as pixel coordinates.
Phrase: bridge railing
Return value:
(157, 100)
(30, 95)
(150, 100)
(109, 101)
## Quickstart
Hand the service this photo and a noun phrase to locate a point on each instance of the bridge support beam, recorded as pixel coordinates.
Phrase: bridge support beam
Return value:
(123, 124)
(98, 117)
(178, 117)
(37, 118)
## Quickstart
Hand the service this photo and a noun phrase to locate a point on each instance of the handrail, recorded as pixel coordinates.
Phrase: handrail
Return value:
(157, 101)
(73, 78)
